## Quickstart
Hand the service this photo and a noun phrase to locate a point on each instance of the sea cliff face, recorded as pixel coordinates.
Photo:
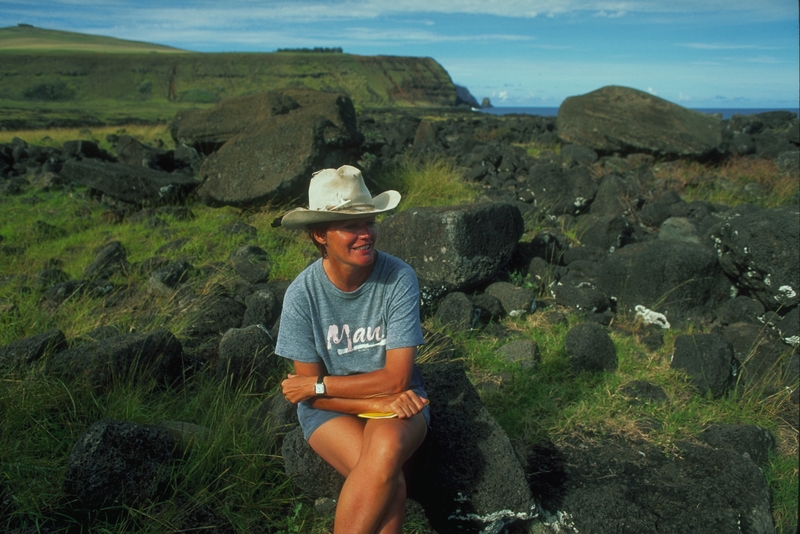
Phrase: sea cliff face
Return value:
(129, 81)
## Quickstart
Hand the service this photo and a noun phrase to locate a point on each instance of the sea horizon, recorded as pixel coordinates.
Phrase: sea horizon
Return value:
(726, 113)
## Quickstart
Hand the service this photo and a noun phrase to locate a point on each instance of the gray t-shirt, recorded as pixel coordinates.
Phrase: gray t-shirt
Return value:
(351, 332)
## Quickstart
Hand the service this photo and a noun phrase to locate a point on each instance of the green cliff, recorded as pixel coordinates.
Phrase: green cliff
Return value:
(60, 76)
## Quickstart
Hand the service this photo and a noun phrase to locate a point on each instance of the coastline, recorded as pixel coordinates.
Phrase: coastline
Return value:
(726, 113)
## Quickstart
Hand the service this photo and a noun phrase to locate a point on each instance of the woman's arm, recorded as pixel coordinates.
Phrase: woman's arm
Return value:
(393, 379)
(384, 390)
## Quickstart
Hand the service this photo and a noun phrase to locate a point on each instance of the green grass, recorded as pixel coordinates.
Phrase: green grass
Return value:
(436, 182)
(30, 39)
(235, 471)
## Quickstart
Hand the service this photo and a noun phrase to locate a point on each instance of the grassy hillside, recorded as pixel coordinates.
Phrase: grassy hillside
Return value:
(62, 78)
(26, 38)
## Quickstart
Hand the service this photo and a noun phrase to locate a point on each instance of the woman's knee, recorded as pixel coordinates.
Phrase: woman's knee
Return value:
(390, 446)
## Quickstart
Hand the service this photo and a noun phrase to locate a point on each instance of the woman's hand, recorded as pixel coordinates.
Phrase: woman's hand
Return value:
(298, 388)
(406, 404)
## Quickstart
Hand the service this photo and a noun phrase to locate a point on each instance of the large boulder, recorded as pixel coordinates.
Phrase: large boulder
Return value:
(118, 462)
(155, 355)
(624, 120)
(268, 154)
(207, 130)
(681, 280)
(26, 351)
(131, 184)
(558, 191)
(591, 349)
(466, 470)
(466, 474)
(618, 486)
(709, 361)
(759, 248)
(457, 246)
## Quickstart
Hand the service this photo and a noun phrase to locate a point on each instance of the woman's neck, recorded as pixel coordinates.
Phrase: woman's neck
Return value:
(346, 277)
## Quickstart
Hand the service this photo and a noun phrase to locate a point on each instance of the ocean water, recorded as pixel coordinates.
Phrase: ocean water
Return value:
(726, 113)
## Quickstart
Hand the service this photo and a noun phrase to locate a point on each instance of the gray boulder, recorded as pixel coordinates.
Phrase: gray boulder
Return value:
(756, 442)
(251, 263)
(679, 229)
(245, 354)
(607, 233)
(29, 350)
(624, 120)
(309, 472)
(467, 464)
(456, 311)
(457, 246)
(590, 348)
(617, 486)
(709, 361)
(762, 356)
(155, 355)
(118, 462)
(272, 157)
(110, 259)
(617, 194)
(558, 191)
(135, 185)
(166, 279)
(263, 308)
(207, 130)
(464, 472)
(516, 301)
(740, 309)
(524, 352)
(681, 280)
(759, 249)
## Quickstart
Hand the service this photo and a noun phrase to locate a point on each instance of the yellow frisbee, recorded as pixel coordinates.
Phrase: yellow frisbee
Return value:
(378, 415)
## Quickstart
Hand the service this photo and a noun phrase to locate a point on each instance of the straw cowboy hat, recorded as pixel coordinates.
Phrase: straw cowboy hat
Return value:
(338, 194)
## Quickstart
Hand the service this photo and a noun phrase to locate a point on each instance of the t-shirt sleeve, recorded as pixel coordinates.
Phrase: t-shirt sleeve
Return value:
(403, 327)
(295, 333)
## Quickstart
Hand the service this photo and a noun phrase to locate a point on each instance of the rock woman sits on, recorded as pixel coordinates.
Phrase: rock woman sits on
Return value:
(350, 323)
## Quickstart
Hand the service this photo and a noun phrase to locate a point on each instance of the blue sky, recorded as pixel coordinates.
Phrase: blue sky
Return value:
(697, 53)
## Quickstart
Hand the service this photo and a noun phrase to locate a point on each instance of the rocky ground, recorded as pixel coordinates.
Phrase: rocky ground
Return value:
(727, 273)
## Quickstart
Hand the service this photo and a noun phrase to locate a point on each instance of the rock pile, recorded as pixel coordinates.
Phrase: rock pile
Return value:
(643, 254)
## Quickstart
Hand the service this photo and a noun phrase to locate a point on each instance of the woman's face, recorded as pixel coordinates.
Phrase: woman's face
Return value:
(351, 241)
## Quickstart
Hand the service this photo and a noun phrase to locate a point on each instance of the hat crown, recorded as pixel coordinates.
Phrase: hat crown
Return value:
(331, 189)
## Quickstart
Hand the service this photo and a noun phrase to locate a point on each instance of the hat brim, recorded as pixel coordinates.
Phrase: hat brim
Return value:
(300, 218)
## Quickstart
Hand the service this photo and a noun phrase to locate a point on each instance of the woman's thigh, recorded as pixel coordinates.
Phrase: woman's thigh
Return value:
(338, 442)
(342, 441)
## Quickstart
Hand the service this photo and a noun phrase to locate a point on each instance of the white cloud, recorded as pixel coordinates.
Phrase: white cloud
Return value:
(652, 91)
(725, 46)
(611, 15)
(321, 10)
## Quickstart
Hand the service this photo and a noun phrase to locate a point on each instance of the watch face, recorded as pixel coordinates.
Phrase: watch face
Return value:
(319, 389)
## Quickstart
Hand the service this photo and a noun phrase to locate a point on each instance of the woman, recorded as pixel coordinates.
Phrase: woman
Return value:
(350, 323)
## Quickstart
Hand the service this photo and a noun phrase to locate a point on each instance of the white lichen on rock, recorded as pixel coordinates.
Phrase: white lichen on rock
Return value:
(651, 317)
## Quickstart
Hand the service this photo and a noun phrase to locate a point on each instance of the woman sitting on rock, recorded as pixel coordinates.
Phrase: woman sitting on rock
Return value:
(350, 323)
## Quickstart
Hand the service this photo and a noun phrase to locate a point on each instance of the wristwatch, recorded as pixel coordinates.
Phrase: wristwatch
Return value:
(319, 387)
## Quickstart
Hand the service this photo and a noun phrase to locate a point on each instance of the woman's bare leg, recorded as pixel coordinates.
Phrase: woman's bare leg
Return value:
(370, 455)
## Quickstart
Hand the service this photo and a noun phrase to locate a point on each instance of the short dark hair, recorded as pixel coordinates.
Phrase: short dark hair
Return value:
(318, 227)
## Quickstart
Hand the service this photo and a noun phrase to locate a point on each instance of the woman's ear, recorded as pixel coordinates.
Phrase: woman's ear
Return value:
(319, 236)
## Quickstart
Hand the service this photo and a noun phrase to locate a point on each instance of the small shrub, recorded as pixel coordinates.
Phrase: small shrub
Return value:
(49, 92)
(198, 96)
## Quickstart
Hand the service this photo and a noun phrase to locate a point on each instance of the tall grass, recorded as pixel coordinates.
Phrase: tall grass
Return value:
(434, 182)
(735, 181)
(232, 475)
